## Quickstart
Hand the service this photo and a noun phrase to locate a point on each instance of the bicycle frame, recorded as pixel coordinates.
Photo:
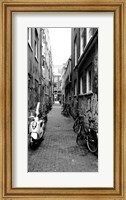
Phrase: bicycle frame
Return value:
(89, 135)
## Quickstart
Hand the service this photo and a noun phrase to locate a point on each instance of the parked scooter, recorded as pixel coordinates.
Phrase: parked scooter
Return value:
(37, 127)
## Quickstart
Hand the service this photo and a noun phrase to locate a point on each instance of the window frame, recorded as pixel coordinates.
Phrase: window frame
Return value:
(89, 79)
(75, 88)
(30, 38)
(75, 51)
(36, 49)
(81, 85)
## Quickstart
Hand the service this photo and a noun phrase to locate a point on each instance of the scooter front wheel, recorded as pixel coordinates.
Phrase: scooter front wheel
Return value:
(32, 145)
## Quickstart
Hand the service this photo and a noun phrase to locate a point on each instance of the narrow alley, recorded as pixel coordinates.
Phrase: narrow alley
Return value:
(59, 152)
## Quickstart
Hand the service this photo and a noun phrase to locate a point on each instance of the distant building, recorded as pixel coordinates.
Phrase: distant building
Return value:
(57, 69)
(66, 82)
(57, 87)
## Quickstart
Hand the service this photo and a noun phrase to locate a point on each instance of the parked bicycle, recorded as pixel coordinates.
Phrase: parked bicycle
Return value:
(77, 122)
(65, 110)
(88, 134)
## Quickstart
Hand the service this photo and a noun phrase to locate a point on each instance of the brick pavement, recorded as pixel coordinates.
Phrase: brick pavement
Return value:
(59, 151)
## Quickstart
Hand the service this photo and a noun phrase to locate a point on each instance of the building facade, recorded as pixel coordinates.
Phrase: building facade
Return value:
(80, 73)
(33, 67)
(84, 67)
(39, 68)
(46, 68)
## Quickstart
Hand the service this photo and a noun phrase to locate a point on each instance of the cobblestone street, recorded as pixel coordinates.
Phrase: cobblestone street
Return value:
(59, 151)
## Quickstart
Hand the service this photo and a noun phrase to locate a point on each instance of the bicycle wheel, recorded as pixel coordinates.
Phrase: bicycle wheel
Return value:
(80, 137)
(76, 125)
(76, 128)
(92, 141)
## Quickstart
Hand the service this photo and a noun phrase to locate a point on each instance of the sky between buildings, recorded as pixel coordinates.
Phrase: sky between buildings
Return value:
(60, 41)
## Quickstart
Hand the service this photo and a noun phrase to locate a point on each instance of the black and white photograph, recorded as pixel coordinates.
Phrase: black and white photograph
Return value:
(62, 94)
(62, 99)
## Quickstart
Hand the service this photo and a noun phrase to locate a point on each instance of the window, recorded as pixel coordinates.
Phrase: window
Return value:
(85, 37)
(55, 85)
(90, 33)
(36, 85)
(55, 79)
(30, 36)
(43, 71)
(36, 49)
(81, 85)
(75, 51)
(75, 88)
(83, 40)
(88, 80)
(36, 43)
